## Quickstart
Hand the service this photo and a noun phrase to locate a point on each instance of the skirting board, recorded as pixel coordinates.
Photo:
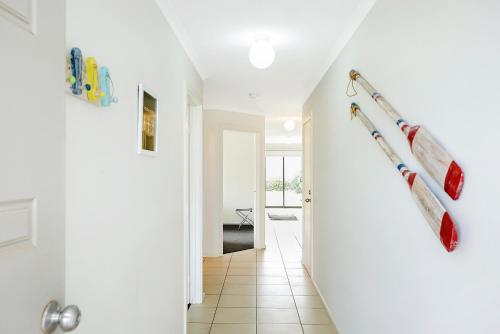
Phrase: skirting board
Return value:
(324, 303)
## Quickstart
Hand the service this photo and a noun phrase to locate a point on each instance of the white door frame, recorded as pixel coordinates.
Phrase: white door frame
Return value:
(260, 176)
(193, 198)
(308, 252)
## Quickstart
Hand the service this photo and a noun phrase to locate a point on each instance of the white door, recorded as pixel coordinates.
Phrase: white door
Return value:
(32, 179)
(307, 249)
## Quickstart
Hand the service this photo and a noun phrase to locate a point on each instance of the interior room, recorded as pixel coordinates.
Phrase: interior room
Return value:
(239, 187)
(249, 167)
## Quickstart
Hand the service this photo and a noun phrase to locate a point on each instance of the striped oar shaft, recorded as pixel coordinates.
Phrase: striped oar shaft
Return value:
(433, 157)
(432, 209)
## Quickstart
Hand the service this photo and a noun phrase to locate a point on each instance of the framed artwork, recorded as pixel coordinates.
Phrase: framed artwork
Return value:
(147, 124)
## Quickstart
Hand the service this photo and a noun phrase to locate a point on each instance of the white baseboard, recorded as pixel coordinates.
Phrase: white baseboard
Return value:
(324, 303)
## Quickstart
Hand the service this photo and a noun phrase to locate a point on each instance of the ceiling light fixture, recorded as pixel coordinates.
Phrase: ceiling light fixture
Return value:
(261, 53)
(289, 125)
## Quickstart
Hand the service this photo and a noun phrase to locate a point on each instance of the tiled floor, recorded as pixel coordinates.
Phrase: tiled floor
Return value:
(260, 291)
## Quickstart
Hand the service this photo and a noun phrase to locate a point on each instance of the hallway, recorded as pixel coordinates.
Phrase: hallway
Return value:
(260, 291)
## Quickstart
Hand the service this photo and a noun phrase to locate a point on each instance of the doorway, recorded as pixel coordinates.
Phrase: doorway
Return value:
(239, 185)
(284, 201)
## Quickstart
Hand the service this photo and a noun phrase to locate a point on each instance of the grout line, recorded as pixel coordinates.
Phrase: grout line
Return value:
(256, 292)
(220, 293)
(297, 239)
(288, 279)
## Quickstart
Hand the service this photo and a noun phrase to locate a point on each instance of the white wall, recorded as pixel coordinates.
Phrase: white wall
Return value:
(214, 123)
(278, 138)
(239, 167)
(377, 263)
(125, 259)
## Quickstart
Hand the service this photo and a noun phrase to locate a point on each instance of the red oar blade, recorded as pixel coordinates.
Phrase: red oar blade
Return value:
(437, 161)
(448, 233)
(435, 214)
(454, 181)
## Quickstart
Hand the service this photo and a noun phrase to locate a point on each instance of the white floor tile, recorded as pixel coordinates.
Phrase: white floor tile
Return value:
(277, 316)
(242, 272)
(314, 316)
(214, 279)
(195, 328)
(320, 329)
(297, 272)
(215, 271)
(303, 290)
(235, 316)
(258, 291)
(239, 289)
(272, 280)
(233, 329)
(271, 271)
(237, 301)
(247, 280)
(274, 290)
(279, 329)
(212, 289)
(201, 315)
(209, 301)
(275, 302)
(308, 302)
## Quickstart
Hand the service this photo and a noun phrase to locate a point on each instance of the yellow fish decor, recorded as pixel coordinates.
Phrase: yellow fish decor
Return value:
(87, 81)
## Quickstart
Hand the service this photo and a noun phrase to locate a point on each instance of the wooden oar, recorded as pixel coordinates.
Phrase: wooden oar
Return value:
(433, 211)
(435, 159)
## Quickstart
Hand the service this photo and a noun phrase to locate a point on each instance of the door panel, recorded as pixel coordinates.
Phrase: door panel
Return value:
(32, 137)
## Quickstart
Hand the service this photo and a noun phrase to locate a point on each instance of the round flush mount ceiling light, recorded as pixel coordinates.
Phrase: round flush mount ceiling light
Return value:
(261, 53)
(289, 125)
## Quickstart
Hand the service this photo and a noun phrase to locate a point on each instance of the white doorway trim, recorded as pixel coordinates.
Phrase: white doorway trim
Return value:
(193, 198)
(307, 219)
(260, 195)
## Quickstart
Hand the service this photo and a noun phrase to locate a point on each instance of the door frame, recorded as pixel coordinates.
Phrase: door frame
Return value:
(260, 179)
(192, 121)
(308, 252)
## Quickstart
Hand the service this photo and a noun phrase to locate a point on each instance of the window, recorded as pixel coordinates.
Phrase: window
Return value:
(283, 181)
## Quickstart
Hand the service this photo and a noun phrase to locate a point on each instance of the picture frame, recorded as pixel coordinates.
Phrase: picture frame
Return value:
(147, 122)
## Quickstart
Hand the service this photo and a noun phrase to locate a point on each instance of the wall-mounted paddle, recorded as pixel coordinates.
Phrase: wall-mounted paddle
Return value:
(433, 157)
(433, 211)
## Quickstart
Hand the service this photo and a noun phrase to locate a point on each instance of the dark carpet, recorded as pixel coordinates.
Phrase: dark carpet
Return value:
(235, 241)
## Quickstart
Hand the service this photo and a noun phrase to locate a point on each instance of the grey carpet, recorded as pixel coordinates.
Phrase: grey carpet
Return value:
(281, 217)
(235, 241)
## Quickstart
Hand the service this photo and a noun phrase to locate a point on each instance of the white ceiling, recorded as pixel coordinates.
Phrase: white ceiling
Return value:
(307, 36)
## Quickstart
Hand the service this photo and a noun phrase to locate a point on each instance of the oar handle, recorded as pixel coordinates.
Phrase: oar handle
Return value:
(398, 163)
(381, 101)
